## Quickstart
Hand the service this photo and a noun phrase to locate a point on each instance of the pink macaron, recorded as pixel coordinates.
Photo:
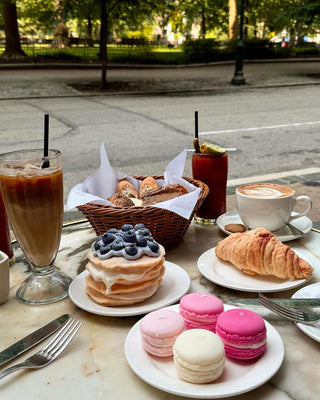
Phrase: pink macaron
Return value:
(200, 311)
(243, 333)
(159, 330)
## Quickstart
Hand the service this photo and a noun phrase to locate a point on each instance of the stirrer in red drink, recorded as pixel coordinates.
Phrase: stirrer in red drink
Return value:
(196, 133)
(46, 163)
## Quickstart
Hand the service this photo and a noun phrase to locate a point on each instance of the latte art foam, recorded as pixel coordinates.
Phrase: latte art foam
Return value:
(265, 190)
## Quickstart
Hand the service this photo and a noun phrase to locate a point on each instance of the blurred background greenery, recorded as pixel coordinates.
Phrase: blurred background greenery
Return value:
(156, 31)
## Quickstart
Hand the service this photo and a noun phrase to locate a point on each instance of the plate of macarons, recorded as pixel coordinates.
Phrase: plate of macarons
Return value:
(202, 348)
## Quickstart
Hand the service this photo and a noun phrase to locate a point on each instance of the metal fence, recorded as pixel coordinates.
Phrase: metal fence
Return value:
(82, 51)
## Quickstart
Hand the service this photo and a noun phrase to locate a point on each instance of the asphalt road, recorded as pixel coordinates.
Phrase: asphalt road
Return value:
(273, 121)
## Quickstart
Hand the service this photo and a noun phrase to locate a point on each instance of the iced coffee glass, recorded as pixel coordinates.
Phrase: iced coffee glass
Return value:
(32, 191)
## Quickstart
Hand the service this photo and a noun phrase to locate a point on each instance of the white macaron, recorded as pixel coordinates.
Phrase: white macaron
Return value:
(199, 356)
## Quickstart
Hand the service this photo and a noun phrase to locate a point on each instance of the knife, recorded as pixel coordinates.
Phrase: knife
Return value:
(297, 302)
(296, 231)
(31, 340)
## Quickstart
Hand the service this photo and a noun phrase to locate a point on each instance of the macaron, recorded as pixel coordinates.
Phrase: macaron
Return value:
(200, 310)
(159, 330)
(199, 356)
(243, 333)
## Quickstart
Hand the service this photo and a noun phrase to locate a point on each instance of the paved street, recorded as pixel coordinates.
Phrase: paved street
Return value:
(146, 117)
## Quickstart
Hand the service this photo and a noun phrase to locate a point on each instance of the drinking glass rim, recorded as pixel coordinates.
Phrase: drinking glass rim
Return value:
(34, 154)
(265, 197)
(209, 155)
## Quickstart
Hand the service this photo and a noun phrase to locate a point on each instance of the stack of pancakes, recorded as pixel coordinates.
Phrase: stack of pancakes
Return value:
(117, 281)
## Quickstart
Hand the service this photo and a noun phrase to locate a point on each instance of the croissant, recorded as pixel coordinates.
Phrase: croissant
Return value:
(260, 252)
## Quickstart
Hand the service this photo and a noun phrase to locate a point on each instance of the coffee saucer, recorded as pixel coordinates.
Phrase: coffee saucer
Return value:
(285, 234)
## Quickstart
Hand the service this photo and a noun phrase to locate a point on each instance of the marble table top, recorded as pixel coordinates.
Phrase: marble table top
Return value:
(94, 365)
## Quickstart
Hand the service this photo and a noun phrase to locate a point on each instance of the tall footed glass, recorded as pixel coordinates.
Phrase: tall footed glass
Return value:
(32, 191)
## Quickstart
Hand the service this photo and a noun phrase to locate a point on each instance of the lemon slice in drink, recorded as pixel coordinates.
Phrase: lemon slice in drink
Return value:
(213, 149)
(196, 145)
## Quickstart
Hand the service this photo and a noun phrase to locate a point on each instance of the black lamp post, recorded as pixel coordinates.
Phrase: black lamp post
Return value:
(238, 78)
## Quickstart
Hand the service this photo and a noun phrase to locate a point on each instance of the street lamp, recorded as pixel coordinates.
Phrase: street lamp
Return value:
(238, 78)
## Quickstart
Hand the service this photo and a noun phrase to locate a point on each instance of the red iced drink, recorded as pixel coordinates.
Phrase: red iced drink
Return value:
(5, 241)
(213, 171)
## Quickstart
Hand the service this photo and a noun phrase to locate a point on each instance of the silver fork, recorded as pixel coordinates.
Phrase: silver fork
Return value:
(293, 314)
(51, 351)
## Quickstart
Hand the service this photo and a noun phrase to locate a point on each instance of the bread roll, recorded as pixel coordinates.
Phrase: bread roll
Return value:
(120, 200)
(125, 188)
(163, 193)
(147, 184)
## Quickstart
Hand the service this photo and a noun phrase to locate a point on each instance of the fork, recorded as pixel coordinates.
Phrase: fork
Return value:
(293, 314)
(51, 351)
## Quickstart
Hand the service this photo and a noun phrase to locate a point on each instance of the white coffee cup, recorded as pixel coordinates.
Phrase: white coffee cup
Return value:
(4, 277)
(268, 205)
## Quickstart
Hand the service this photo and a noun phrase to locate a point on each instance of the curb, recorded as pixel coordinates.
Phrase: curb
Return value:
(110, 65)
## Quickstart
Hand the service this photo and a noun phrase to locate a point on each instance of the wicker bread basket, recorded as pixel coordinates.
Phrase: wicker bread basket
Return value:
(166, 227)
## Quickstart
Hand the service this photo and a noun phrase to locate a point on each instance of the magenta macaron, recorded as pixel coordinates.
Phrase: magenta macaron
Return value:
(243, 333)
(159, 331)
(200, 311)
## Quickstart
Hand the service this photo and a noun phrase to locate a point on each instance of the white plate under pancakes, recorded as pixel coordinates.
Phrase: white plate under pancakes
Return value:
(225, 274)
(175, 284)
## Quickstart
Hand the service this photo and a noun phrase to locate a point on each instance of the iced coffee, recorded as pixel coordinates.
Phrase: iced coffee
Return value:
(32, 191)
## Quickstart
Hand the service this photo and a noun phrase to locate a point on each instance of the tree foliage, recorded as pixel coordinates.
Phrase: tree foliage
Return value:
(39, 18)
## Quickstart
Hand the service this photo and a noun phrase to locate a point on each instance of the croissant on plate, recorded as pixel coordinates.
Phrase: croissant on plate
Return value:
(260, 252)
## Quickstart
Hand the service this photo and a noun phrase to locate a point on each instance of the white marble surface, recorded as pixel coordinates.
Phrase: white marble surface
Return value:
(94, 365)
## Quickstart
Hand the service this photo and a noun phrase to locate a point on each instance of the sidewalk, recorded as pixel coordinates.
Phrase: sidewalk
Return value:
(36, 81)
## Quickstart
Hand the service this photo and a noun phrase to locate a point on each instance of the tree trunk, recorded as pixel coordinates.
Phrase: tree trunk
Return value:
(13, 50)
(203, 23)
(103, 44)
(89, 32)
(300, 39)
(233, 20)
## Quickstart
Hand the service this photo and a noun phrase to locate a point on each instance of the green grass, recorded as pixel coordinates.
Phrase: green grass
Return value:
(148, 54)
(116, 53)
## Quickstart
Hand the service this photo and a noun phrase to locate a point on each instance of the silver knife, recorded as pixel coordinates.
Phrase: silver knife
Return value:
(298, 302)
(31, 340)
(296, 231)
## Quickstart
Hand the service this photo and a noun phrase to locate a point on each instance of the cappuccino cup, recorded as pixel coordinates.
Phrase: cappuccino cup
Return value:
(268, 205)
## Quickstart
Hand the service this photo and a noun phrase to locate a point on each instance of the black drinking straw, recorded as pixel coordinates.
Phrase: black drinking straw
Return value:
(196, 131)
(46, 163)
(196, 128)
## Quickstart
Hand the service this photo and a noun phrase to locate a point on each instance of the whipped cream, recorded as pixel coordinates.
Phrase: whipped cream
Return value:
(122, 253)
(110, 277)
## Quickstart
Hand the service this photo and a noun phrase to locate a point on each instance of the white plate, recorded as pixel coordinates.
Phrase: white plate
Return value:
(238, 376)
(225, 274)
(306, 292)
(175, 284)
(304, 224)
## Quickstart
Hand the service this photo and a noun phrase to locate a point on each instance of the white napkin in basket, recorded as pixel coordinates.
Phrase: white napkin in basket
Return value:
(103, 183)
